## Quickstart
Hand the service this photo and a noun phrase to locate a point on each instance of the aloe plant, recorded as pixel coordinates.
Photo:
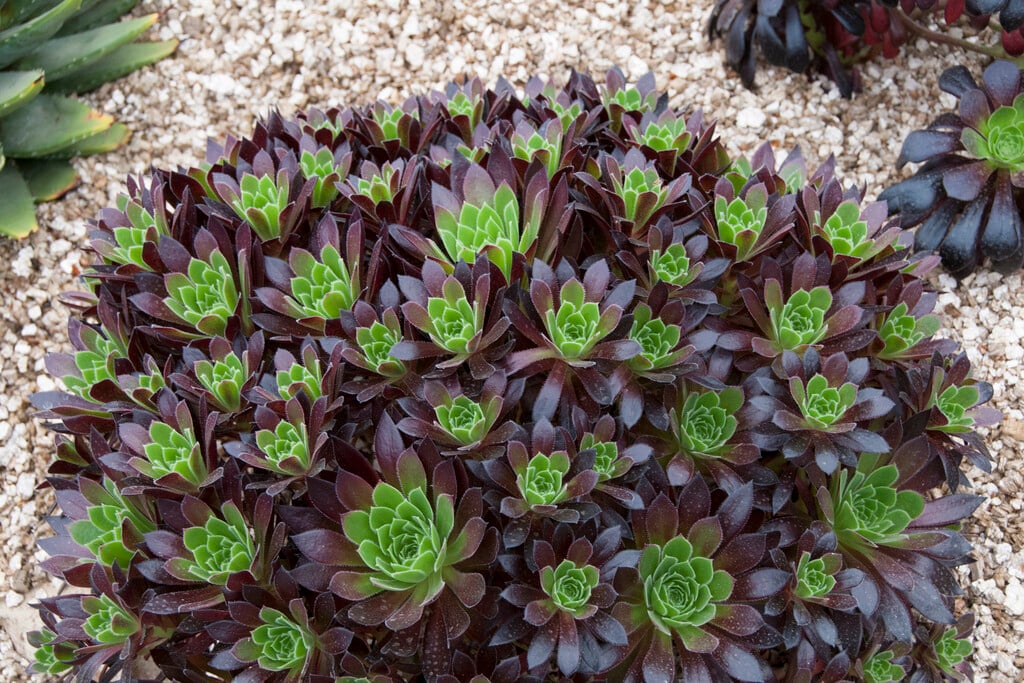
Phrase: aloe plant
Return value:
(48, 50)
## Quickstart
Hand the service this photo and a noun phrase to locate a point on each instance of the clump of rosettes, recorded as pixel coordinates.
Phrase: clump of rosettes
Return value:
(493, 388)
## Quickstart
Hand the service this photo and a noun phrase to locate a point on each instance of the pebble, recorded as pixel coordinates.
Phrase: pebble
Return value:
(750, 117)
(1014, 602)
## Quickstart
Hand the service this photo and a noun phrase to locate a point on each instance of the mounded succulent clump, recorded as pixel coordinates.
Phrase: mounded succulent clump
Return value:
(498, 388)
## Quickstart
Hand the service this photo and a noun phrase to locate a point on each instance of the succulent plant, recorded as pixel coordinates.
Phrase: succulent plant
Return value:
(879, 668)
(49, 50)
(964, 196)
(219, 548)
(485, 388)
(278, 643)
(833, 36)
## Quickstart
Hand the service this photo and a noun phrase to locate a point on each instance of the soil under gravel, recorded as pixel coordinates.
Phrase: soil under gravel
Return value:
(241, 58)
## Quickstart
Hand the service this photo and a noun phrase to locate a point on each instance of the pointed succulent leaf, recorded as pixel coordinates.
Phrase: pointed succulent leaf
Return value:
(60, 56)
(120, 62)
(17, 208)
(48, 124)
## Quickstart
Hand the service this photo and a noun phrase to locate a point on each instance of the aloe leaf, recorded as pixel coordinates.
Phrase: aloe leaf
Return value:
(24, 38)
(47, 179)
(48, 124)
(59, 57)
(14, 12)
(97, 14)
(101, 142)
(17, 210)
(120, 62)
(17, 88)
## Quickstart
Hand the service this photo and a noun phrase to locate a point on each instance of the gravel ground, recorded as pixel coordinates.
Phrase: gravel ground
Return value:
(238, 59)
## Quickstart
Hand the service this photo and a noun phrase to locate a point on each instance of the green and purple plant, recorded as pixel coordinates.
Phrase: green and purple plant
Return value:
(488, 389)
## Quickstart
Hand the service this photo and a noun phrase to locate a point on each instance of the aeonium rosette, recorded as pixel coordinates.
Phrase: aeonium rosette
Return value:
(668, 336)
(267, 631)
(314, 286)
(460, 316)
(575, 318)
(459, 422)
(676, 603)
(563, 587)
(748, 222)
(96, 628)
(964, 197)
(810, 586)
(406, 540)
(877, 519)
(704, 433)
(539, 480)
(819, 411)
(944, 403)
(372, 338)
(807, 313)
(613, 461)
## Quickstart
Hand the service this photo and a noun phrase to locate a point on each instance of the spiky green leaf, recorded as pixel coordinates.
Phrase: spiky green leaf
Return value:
(118, 63)
(17, 88)
(48, 179)
(22, 38)
(93, 14)
(59, 57)
(101, 142)
(48, 124)
(17, 211)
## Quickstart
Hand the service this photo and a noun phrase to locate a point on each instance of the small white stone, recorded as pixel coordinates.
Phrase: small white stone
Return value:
(26, 484)
(414, 55)
(750, 117)
(1014, 603)
(221, 83)
(1002, 552)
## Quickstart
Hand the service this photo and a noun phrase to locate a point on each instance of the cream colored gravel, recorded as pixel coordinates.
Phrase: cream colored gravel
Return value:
(240, 58)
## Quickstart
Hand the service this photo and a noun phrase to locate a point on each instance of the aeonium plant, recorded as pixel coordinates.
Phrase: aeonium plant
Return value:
(492, 388)
(964, 196)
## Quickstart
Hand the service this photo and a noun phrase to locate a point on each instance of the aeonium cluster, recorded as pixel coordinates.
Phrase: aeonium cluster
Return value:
(493, 387)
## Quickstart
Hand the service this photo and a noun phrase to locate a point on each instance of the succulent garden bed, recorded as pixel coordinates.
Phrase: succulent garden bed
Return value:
(981, 314)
